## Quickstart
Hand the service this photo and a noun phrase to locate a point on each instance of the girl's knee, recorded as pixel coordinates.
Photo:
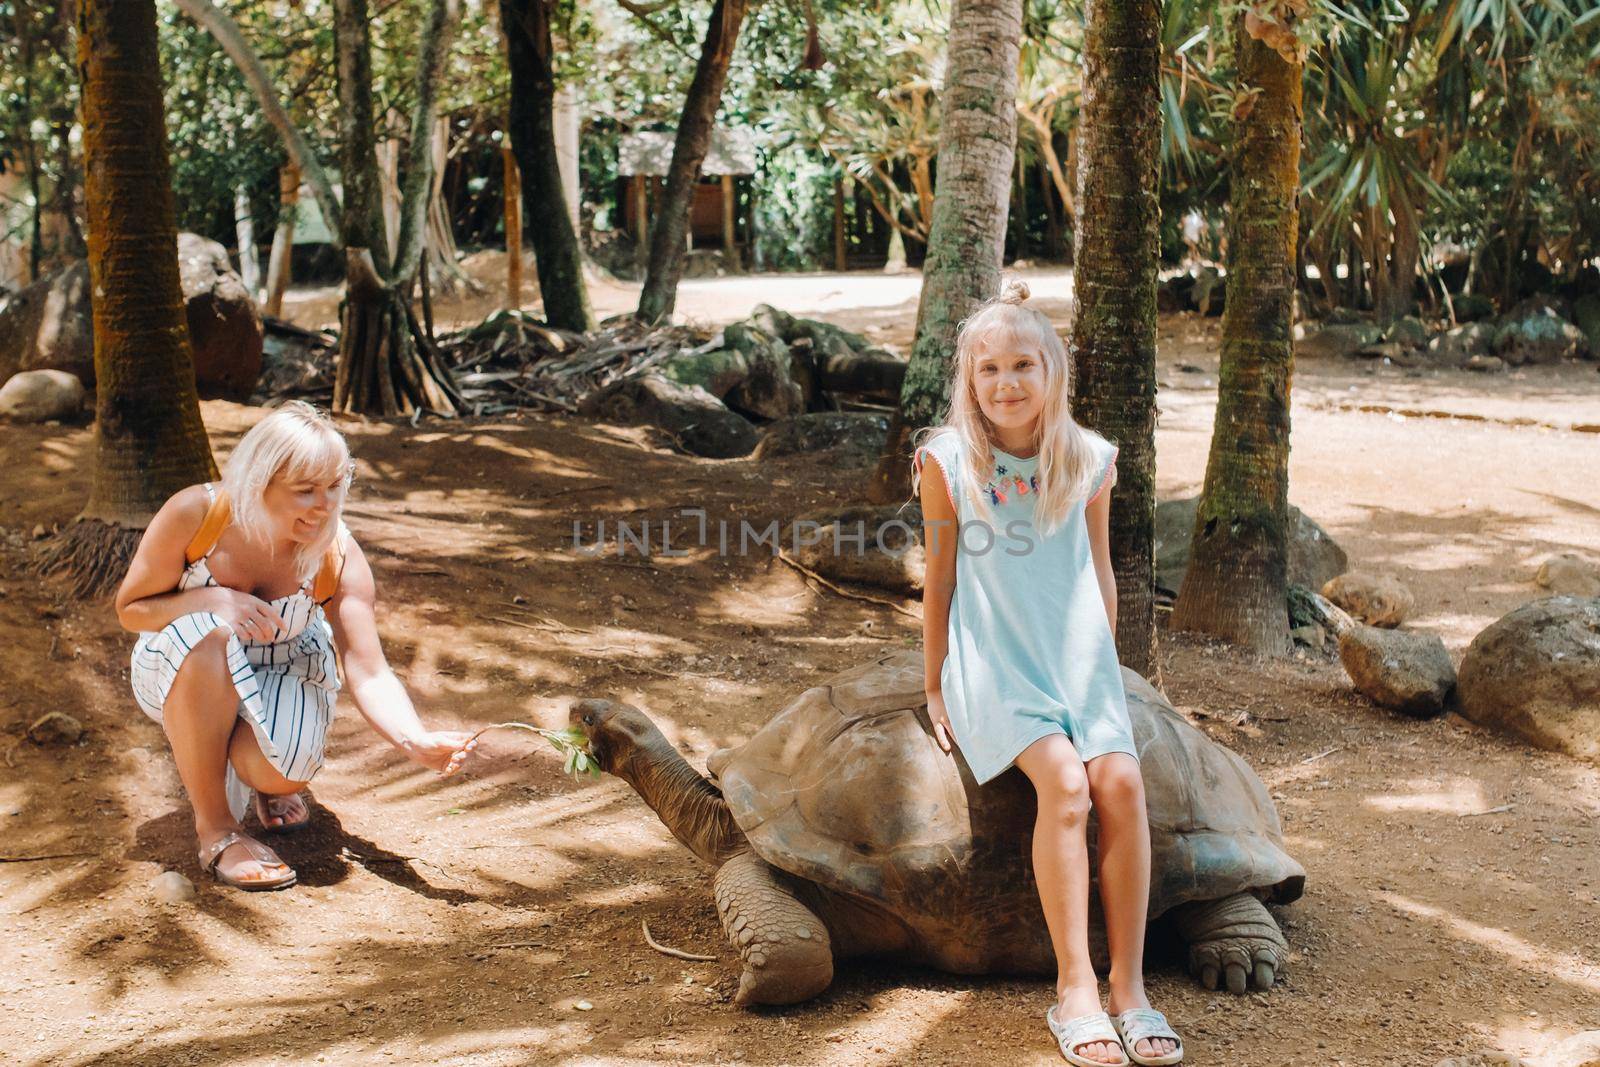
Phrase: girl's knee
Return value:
(1064, 793)
(1116, 783)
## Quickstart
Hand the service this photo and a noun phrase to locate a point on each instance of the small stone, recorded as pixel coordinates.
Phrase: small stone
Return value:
(1579, 1050)
(55, 728)
(172, 888)
(584, 1005)
(1485, 364)
(40, 395)
(40, 532)
(1569, 574)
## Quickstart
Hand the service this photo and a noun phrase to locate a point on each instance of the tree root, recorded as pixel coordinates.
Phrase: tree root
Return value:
(92, 555)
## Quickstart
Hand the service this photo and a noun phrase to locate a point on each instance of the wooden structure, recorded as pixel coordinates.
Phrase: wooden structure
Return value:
(643, 159)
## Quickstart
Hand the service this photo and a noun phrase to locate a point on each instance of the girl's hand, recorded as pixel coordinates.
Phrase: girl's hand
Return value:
(441, 750)
(248, 616)
(941, 720)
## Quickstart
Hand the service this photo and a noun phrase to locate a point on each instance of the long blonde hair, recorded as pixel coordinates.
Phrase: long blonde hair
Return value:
(1065, 449)
(295, 441)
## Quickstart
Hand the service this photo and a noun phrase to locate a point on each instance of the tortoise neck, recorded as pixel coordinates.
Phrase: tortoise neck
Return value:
(692, 808)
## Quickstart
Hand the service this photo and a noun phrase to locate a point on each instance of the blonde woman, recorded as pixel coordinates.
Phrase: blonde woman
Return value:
(241, 594)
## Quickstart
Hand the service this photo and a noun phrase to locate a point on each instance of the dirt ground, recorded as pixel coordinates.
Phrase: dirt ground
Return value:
(494, 918)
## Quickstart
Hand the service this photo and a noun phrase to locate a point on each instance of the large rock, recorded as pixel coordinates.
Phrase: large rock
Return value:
(889, 554)
(1586, 314)
(1375, 599)
(698, 421)
(1536, 333)
(224, 325)
(1569, 574)
(830, 359)
(1455, 347)
(1408, 330)
(1314, 557)
(1338, 340)
(1535, 674)
(1405, 672)
(855, 437)
(50, 324)
(1579, 1050)
(40, 395)
(769, 390)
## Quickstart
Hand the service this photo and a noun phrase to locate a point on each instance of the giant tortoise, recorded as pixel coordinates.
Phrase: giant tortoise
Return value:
(841, 829)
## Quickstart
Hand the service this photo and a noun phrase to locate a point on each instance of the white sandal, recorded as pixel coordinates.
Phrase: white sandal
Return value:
(1147, 1024)
(1085, 1030)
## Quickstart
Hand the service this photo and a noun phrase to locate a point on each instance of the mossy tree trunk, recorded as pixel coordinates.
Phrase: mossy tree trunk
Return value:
(1236, 587)
(1113, 343)
(387, 363)
(556, 251)
(977, 146)
(149, 440)
(689, 147)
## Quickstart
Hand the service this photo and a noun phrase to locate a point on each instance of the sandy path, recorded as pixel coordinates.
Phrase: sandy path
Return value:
(462, 922)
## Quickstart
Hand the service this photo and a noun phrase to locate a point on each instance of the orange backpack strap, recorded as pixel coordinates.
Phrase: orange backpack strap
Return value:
(326, 583)
(218, 515)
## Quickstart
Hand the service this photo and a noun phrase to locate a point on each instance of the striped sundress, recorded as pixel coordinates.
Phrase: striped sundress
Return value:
(286, 687)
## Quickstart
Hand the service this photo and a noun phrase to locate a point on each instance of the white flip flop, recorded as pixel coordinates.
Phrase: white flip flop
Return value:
(1147, 1024)
(1085, 1030)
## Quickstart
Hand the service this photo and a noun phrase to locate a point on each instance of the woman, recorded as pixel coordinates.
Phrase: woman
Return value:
(240, 594)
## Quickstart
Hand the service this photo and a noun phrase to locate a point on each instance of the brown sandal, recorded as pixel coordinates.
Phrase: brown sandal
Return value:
(213, 852)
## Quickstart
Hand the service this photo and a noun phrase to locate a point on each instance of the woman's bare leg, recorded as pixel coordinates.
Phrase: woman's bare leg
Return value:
(202, 722)
(1117, 790)
(1061, 868)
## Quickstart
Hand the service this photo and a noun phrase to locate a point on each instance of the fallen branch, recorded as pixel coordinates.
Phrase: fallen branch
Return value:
(1319, 755)
(845, 592)
(47, 856)
(644, 924)
(1491, 811)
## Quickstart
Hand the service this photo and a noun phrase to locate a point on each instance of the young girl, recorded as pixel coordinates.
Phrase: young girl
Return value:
(1019, 609)
(240, 594)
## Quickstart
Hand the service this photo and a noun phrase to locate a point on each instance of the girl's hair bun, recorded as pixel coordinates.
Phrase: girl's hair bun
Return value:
(1014, 292)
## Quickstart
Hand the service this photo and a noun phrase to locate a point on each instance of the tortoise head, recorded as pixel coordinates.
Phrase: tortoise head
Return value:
(616, 732)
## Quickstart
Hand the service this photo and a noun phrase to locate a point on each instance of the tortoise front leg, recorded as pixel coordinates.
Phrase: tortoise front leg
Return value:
(1235, 938)
(787, 954)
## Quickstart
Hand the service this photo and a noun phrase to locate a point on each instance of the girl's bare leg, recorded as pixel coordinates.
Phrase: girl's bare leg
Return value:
(203, 726)
(1117, 790)
(1061, 868)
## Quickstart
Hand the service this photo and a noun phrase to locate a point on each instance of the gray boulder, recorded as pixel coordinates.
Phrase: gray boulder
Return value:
(1535, 674)
(1537, 334)
(41, 395)
(1375, 599)
(1569, 574)
(1405, 672)
(769, 390)
(1455, 347)
(854, 438)
(1314, 557)
(1408, 330)
(1338, 341)
(870, 545)
(700, 423)
(50, 324)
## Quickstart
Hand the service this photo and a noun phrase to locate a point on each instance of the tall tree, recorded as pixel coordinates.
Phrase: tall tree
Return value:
(1236, 587)
(387, 363)
(1113, 343)
(693, 140)
(977, 146)
(556, 250)
(149, 440)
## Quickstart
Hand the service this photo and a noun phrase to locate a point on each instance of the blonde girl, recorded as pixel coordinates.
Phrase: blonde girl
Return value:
(1018, 623)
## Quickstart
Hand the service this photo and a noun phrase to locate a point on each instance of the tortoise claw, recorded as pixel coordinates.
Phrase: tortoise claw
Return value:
(1208, 976)
(1264, 976)
(1238, 978)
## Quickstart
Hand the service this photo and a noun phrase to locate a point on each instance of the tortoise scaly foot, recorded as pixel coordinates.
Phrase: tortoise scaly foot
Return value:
(787, 954)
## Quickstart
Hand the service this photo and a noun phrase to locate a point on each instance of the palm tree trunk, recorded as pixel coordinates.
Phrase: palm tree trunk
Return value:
(533, 140)
(689, 149)
(387, 363)
(149, 440)
(977, 144)
(1116, 247)
(1236, 587)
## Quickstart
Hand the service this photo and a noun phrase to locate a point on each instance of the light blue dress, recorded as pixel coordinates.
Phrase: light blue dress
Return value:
(1031, 651)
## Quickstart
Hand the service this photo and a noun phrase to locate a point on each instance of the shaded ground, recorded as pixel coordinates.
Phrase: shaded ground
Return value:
(463, 921)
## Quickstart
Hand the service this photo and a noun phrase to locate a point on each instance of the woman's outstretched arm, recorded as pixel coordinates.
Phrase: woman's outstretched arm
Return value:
(378, 694)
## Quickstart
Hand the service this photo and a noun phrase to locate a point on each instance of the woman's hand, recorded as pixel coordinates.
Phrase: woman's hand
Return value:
(248, 616)
(941, 720)
(442, 750)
